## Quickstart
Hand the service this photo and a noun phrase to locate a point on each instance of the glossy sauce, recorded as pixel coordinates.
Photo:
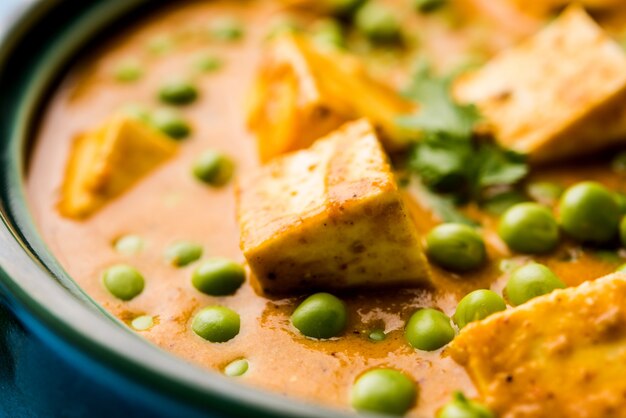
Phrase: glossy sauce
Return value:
(170, 205)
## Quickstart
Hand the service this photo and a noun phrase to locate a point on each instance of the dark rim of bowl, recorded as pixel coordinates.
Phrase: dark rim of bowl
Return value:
(34, 53)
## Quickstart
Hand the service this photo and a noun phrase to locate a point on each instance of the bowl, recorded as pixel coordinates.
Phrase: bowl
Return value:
(60, 353)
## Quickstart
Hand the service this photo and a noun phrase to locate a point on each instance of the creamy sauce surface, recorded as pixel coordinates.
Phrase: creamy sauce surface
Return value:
(170, 205)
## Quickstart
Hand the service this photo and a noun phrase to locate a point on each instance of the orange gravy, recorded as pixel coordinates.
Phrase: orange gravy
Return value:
(170, 205)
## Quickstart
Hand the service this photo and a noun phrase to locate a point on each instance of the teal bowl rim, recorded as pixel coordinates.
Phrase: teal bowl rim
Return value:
(33, 283)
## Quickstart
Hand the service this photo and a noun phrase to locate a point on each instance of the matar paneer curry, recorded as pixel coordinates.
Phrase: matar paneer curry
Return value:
(410, 207)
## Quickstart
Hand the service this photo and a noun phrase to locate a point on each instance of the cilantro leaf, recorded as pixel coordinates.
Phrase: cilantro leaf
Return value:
(441, 162)
(443, 206)
(497, 166)
(438, 112)
(447, 157)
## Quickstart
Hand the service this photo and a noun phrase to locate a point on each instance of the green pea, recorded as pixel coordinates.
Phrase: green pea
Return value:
(429, 330)
(377, 335)
(529, 228)
(128, 71)
(226, 29)
(129, 245)
(427, 6)
(321, 315)
(208, 63)
(620, 198)
(456, 247)
(183, 253)
(160, 44)
(461, 407)
(589, 213)
(544, 192)
(216, 324)
(236, 368)
(529, 281)
(328, 33)
(213, 168)
(123, 281)
(171, 123)
(178, 92)
(378, 23)
(218, 277)
(477, 305)
(142, 323)
(384, 391)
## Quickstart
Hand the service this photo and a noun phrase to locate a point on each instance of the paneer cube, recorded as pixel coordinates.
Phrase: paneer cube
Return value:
(558, 355)
(558, 94)
(105, 163)
(302, 93)
(329, 217)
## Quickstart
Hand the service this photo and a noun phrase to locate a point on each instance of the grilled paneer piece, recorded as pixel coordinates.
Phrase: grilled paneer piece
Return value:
(302, 93)
(329, 217)
(558, 355)
(558, 94)
(106, 162)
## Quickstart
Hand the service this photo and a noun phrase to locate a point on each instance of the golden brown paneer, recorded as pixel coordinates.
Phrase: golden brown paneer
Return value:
(106, 162)
(558, 94)
(302, 94)
(329, 217)
(558, 355)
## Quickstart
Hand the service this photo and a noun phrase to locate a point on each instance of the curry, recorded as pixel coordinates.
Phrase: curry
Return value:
(388, 206)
